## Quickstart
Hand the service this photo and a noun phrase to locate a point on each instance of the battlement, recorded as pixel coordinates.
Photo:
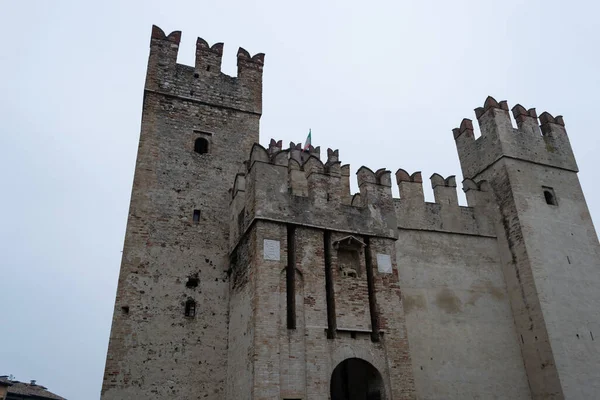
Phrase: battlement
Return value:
(541, 141)
(295, 186)
(204, 82)
(445, 215)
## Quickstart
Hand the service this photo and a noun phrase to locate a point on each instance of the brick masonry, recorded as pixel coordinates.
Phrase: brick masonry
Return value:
(494, 300)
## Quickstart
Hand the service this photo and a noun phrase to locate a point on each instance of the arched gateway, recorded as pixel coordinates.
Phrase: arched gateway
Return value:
(356, 379)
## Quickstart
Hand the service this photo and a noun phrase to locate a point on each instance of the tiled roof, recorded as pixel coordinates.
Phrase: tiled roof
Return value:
(28, 389)
(4, 381)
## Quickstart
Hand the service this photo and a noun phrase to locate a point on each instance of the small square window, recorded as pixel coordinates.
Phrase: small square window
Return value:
(549, 196)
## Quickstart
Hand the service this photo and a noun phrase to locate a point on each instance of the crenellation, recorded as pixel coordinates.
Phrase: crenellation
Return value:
(275, 147)
(527, 120)
(314, 151)
(333, 156)
(204, 83)
(444, 190)
(365, 175)
(208, 58)
(162, 58)
(281, 158)
(296, 152)
(159, 34)
(500, 139)
(376, 191)
(287, 192)
(313, 165)
(410, 187)
(477, 193)
(249, 74)
(445, 215)
(493, 119)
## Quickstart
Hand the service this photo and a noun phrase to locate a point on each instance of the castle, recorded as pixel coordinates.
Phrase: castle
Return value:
(253, 273)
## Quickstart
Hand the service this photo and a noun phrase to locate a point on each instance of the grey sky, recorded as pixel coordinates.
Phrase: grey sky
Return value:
(382, 81)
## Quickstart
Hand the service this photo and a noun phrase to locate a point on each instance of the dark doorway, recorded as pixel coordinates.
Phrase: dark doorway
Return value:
(356, 379)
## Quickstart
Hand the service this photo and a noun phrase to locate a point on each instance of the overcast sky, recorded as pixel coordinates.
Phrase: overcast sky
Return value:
(382, 81)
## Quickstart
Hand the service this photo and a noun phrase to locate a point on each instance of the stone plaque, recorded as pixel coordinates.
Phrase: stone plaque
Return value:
(271, 250)
(384, 263)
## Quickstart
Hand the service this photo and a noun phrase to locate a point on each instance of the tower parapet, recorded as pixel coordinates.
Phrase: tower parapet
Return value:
(294, 186)
(542, 141)
(444, 215)
(204, 82)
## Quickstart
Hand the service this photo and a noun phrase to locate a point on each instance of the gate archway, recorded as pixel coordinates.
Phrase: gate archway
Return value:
(356, 379)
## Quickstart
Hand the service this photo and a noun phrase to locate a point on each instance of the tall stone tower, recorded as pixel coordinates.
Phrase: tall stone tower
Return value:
(549, 249)
(169, 331)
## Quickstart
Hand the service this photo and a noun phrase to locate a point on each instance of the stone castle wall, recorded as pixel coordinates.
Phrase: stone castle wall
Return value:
(291, 274)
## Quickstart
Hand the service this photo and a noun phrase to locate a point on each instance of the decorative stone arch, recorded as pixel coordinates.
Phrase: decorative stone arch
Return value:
(379, 363)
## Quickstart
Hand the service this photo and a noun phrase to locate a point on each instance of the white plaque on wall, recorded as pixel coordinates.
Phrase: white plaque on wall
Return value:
(271, 250)
(384, 263)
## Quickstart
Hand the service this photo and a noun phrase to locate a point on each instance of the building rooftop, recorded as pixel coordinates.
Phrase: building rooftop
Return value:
(27, 390)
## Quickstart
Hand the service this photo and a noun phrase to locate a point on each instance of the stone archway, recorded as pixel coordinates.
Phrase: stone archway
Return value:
(356, 379)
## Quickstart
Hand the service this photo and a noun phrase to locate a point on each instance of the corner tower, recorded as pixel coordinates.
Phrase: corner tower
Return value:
(170, 324)
(548, 244)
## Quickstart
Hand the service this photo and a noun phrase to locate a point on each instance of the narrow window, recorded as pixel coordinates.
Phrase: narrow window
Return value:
(208, 67)
(125, 309)
(549, 196)
(190, 308)
(201, 146)
(196, 216)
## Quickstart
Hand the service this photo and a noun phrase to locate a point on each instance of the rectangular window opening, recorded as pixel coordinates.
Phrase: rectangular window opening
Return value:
(196, 216)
